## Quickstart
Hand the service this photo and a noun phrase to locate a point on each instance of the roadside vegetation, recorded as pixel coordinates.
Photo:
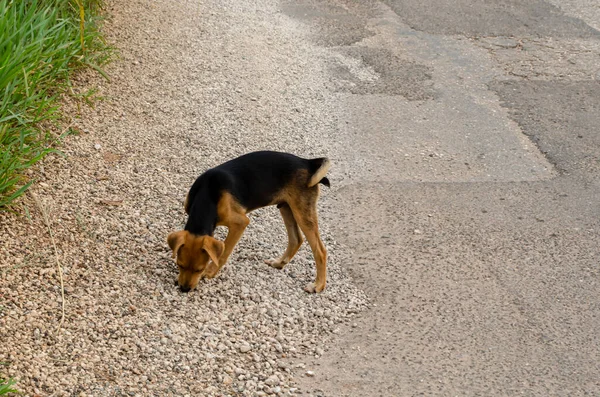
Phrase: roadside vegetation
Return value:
(42, 43)
(6, 386)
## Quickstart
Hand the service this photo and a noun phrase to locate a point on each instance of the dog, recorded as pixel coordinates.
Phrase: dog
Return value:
(223, 195)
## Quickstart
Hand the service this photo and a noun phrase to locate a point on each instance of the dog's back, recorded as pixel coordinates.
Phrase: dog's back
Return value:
(257, 179)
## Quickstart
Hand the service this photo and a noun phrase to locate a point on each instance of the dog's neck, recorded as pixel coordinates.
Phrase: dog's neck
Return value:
(202, 220)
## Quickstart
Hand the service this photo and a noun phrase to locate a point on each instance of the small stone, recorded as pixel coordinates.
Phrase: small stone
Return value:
(282, 365)
(272, 312)
(504, 42)
(245, 348)
(272, 380)
(97, 146)
(310, 373)
(417, 231)
(227, 380)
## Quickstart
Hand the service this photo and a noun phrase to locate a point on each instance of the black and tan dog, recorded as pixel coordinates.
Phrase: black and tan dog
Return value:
(225, 194)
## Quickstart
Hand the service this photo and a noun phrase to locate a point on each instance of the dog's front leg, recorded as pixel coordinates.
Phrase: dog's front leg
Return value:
(236, 229)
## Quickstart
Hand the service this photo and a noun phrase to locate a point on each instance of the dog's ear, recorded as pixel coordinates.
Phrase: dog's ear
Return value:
(176, 241)
(214, 248)
(186, 204)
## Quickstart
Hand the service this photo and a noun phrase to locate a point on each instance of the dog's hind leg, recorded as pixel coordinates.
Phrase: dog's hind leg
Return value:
(294, 238)
(305, 213)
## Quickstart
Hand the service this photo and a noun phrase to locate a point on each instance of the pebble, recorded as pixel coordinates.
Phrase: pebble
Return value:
(272, 380)
(310, 373)
(245, 348)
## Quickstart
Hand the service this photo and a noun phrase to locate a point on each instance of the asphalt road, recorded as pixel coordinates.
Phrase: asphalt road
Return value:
(469, 143)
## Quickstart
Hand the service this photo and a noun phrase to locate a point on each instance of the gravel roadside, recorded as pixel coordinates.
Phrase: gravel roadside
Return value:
(196, 84)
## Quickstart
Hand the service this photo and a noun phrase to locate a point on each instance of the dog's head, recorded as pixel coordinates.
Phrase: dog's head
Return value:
(192, 253)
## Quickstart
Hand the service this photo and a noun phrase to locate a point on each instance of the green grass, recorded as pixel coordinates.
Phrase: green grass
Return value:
(6, 386)
(41, 44)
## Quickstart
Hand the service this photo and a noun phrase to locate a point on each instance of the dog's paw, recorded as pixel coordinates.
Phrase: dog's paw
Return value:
(276, 263)
(313, 288)
(210, 271)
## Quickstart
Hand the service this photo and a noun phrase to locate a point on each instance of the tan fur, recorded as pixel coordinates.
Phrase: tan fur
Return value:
(303, 205)
(320, 173)
(213, 247)
(193, 254)
(232, 215)
(294, 239)
(176, 240)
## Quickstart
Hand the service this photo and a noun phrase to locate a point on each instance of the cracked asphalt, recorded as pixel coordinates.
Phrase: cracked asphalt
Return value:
(469, 134)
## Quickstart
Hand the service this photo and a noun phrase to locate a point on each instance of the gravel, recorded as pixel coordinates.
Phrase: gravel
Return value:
(194, 85)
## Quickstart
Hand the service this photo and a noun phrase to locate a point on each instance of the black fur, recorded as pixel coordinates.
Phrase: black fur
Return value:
(253, 179)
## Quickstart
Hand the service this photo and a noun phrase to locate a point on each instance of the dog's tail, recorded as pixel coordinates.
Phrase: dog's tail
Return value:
(317, 169)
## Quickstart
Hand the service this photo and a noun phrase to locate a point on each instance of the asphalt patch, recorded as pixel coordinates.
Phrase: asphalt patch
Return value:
(341, 23)
(561, 118)
(390, 74)
(513, 18)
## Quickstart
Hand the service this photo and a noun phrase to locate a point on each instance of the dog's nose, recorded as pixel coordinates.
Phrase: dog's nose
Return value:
(184, 288)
